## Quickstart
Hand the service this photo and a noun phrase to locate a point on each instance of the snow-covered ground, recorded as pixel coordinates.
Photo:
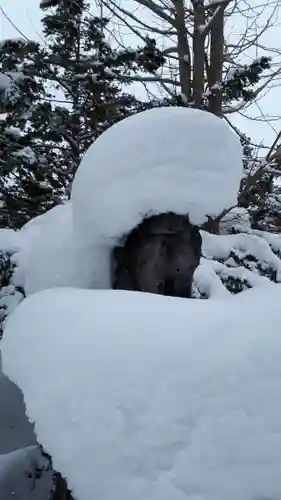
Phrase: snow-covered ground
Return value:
(18, 475)
(150, 397)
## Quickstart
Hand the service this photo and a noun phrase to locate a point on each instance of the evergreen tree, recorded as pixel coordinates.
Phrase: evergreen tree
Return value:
(237, 84)
(260, 191)
(240, 83)
(56, 100)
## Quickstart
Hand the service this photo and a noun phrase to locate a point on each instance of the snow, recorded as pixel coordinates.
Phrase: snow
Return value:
(210, 278)
(24, 476)
(150, 397)
(273, 239)
(18, 475)
(8, 88)
(10, 240)
(244, 245)
(10, 297)
(46, 255)
(14, 132)
(5, 82)
(16, 76)
(207, 281)
(166, 159)
(231, 73)
(237, 218)
(45, 258)
(71, 244)
(27, 154)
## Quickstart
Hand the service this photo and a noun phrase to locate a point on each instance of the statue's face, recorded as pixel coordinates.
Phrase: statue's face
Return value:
(166, 263)
(159, 256)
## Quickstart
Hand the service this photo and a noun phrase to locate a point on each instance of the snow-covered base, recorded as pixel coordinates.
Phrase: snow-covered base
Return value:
(146, 397)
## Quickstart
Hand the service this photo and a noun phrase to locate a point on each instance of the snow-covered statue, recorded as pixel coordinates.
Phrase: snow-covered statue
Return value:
(142, 191)
(138, 395)
(178, 161)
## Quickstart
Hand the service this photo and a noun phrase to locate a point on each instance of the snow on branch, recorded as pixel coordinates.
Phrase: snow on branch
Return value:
(11, 293)
(205, 29)
(232, 263)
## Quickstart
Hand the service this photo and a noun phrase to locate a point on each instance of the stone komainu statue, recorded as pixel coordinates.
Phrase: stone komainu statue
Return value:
(159, 256)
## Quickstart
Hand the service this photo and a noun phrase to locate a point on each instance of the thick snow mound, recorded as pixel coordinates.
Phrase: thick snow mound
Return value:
(45, 257)
(145, 397)
(49, 255)
(165, 159)
(10, 240)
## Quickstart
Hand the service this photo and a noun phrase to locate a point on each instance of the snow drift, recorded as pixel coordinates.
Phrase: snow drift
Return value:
(149, 397)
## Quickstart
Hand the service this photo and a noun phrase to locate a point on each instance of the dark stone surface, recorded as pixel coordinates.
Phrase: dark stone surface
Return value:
(159, 256)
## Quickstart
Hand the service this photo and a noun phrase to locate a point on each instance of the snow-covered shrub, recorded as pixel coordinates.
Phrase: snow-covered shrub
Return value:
(260, 190)
(235, 262)
(11, 293)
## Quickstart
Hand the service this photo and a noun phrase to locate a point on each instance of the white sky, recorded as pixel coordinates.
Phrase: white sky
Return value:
(26, 16)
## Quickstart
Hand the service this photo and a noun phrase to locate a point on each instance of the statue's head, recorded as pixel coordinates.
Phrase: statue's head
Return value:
(159, 256)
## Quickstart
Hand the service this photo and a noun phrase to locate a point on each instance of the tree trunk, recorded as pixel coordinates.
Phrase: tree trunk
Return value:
(198, 54)
(183, 49)
(216, 61)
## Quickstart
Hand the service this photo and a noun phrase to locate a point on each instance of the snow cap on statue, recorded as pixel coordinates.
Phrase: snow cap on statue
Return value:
(169, 159)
